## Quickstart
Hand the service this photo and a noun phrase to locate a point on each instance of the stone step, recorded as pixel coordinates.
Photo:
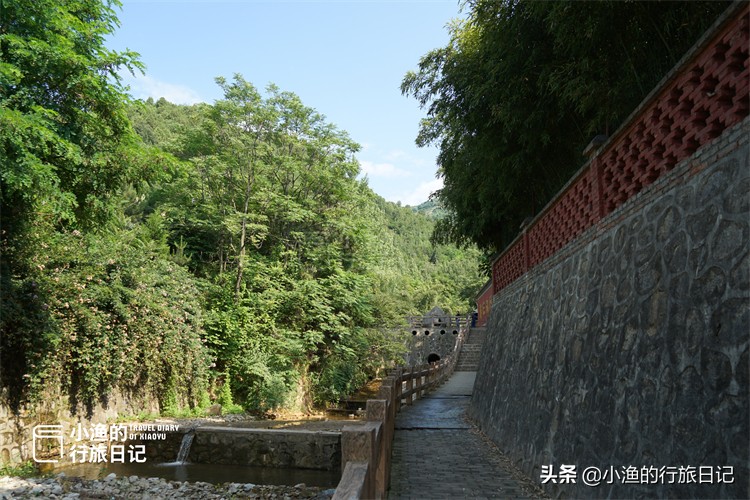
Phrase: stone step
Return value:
(470, 354)
(468, 359)
(471, 351)
(476, 335)
(474, 363)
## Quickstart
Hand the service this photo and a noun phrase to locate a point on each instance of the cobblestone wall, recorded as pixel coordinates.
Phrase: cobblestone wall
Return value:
(629, 347)
(430, 341)
(16, 430)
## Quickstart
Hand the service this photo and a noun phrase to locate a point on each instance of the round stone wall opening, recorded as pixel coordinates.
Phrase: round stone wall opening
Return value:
(426, 332)
(433, 358)
(455, 332)
(413, 332)
(442, 332)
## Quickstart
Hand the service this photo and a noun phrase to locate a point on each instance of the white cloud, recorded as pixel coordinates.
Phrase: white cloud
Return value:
(388, 170)
(420, 194)
(397, 155)
(143, 87)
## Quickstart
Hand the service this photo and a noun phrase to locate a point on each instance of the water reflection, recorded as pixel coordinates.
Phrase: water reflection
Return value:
(209, 473)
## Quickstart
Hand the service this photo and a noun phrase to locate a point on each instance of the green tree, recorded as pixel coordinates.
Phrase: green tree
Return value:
(63, 128)
(522, 87)
(89, 298)
(327, 263)
(273, 187)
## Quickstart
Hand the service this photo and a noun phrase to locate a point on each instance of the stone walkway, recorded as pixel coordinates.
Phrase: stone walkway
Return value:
(438, 455)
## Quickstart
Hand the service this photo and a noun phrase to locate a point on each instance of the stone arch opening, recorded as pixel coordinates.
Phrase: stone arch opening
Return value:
(455, 332)
(433, 358)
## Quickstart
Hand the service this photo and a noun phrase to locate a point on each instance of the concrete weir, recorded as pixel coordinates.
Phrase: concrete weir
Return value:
(298, 449)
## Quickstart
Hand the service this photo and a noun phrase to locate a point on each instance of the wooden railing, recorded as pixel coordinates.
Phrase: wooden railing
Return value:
(366, 448)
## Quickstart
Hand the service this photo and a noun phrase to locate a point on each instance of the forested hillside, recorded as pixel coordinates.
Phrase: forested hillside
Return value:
(432, 208)
(304, 265)
(225, 252)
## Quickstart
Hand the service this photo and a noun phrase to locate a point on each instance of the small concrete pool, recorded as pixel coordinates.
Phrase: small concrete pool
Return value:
(231, 455)
(209, 473)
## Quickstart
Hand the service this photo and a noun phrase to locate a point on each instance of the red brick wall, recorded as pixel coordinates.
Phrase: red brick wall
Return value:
(708, 92)
(484, 305)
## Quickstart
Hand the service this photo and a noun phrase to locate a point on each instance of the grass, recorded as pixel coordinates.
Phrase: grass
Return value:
(26, 469)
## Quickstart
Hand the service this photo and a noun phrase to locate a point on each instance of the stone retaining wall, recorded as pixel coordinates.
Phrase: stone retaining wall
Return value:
(16, 430)
(630, 346)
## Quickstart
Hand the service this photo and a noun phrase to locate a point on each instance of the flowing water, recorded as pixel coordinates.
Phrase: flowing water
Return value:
(187, 440)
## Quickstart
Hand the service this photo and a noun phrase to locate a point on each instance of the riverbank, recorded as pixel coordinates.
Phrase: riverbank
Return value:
(112, 487)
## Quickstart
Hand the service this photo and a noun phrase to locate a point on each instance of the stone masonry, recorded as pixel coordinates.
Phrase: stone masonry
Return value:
(630, 346)
(437, 454)
(432, 337)
(16, 429)
(281, 448)
(471, 351)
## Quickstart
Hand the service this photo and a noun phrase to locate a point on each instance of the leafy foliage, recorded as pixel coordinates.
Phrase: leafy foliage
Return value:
(432, 209)
(522, 87)
(99, 312)
(63, 126)
(90, 299)
(183, 253)
(296, 306)
(25, 469)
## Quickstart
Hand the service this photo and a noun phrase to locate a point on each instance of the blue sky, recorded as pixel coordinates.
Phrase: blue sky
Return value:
(344, 58)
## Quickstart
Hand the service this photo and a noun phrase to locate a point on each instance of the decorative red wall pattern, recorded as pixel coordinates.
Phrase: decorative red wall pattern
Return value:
(707, 96)
(484, 306)
(510, 267)
(574, 211)
(709, 93)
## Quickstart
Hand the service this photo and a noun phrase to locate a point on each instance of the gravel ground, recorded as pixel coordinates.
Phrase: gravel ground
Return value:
(134, 487)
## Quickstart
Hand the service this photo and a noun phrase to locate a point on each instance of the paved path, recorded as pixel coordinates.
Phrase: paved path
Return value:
(437, 454)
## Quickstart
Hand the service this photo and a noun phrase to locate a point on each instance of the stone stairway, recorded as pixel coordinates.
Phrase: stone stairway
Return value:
(468, 358)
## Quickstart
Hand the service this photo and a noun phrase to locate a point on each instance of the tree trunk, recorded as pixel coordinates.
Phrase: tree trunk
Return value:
(243, 234)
